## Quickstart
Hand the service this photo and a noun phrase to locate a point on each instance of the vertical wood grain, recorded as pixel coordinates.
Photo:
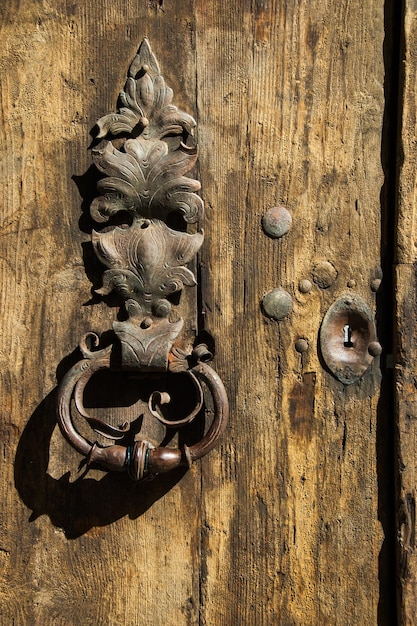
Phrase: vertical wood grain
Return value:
(406, 325)
(290, 109)
(99, 550)
(279, 525)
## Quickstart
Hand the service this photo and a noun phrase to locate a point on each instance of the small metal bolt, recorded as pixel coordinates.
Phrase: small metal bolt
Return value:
(301, 345)
(305, 286)
(277, 222)
(146, 322)
(162, 308)
(376, 284)
(324, 274)
(375, 348)
(277, 304)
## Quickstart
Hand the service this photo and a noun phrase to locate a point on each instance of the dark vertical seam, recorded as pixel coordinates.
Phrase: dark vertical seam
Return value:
(385, 439)
(200, 329)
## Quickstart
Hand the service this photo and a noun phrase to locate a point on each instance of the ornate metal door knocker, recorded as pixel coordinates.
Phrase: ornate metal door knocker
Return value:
(145, 177)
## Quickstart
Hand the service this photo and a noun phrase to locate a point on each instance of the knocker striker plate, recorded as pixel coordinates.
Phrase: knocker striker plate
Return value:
(144, 176)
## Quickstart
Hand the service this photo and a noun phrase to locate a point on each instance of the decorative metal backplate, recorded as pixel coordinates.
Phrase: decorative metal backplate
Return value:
(145, 153)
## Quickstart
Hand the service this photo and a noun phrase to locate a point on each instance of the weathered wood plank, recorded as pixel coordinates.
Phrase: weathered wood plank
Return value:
(290, 111)
(96, 551)
(406, 330)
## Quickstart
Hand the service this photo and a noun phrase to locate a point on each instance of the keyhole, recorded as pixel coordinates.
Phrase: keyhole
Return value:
(347, 332)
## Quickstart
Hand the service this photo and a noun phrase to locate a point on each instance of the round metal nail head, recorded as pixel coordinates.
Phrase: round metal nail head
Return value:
(324, 274)
(376, 284)
(375, 348)
(305, 285)
(277, 222)
(277, 304)
(301, 345)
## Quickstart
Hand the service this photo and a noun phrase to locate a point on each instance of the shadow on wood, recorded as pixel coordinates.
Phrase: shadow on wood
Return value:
(78, 506)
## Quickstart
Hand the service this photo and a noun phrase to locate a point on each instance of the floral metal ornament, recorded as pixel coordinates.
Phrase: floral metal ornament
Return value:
(145, 176)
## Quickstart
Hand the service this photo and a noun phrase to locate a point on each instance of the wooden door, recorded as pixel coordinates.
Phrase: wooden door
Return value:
(294, 518)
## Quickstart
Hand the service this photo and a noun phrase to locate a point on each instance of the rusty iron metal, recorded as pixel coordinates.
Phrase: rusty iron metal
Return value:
(348, 340)
(146, 264)
(324, 274)
(276, 222)
(141, 459)
(277, 304)
(301, 345)
(305, 285)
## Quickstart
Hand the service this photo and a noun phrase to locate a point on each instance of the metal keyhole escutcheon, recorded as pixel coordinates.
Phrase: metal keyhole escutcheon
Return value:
(348, 340)
(144, 152)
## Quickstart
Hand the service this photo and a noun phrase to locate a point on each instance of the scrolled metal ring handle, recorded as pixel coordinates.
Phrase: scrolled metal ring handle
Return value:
(142, 459)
